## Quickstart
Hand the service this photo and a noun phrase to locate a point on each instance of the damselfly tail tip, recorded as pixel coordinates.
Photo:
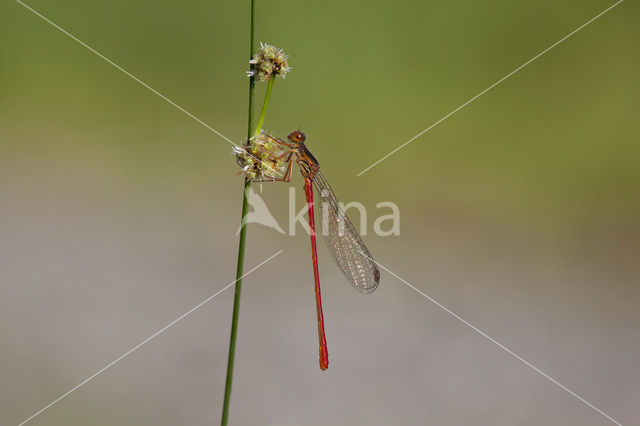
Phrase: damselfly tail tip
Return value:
(323, 358)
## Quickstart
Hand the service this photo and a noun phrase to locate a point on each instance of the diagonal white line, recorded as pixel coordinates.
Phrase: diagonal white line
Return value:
(145, 85)
(127, 73)
(500, 345)
(112, 363)
(490, 87)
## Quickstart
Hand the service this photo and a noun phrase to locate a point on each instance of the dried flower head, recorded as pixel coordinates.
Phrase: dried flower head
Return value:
(268, 62)
(262, 158)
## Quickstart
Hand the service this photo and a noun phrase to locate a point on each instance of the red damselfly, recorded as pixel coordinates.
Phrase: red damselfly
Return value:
(343, 241)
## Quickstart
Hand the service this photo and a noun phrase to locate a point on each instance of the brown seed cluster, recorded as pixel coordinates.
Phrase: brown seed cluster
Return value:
(262, 158)
(268, 62)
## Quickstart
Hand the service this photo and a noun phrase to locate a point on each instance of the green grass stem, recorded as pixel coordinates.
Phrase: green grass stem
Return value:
(243, 229)
(241, 245)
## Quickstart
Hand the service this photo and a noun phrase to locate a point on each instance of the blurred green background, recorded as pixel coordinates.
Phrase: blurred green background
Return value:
(520, 213)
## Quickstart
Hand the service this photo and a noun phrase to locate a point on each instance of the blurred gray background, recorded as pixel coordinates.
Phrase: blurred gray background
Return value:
(520, 213)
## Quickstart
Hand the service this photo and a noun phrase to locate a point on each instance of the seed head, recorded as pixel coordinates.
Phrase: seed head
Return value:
(261, 159)
(268, 62)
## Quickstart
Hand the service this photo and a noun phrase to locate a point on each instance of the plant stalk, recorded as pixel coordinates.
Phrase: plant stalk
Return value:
(263, 113)
(241, 245)
(243, 228)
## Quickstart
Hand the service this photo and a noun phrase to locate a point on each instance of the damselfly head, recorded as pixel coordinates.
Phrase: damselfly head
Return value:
(297, 136)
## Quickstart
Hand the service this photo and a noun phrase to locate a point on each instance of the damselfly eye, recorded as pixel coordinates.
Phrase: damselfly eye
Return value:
(295, 136)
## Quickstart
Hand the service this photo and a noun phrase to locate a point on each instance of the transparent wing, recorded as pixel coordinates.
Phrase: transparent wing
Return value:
(344, 242)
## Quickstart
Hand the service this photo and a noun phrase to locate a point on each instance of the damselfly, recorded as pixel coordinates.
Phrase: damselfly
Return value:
(343, 241)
